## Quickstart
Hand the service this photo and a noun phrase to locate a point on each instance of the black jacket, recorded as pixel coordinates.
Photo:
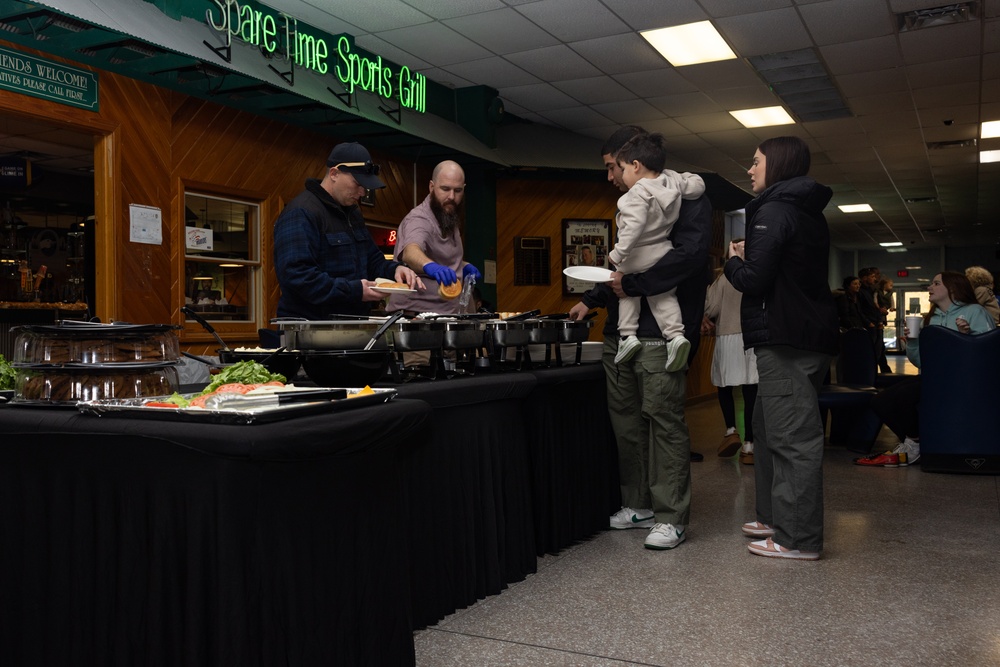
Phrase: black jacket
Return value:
(786, 296)
(685, 267)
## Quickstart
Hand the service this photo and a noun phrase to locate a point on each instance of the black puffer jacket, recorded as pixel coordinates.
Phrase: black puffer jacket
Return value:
(786, 296)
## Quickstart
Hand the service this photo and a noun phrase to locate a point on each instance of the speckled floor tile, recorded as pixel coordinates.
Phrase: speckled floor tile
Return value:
(908, 577)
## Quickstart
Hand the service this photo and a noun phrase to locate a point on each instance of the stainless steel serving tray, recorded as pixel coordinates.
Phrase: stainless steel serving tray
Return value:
(331, 334)
(506, 333)
(462, 335)
(134, 408)
(416, 335)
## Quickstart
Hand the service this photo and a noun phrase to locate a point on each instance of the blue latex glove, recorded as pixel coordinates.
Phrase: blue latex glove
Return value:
(442, 274)
(470, 270)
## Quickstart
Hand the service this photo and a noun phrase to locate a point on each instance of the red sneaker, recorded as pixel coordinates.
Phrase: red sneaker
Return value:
(883, 460)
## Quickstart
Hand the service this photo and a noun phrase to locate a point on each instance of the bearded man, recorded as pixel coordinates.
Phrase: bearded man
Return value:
(428, 241)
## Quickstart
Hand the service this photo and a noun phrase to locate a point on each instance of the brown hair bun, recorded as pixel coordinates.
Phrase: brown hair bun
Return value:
(450, 291)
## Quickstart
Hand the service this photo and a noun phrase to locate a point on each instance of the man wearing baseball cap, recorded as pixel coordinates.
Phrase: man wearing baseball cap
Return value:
(324, 256)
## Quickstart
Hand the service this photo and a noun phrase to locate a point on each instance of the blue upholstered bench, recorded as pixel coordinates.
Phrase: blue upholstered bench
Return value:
(959, 401)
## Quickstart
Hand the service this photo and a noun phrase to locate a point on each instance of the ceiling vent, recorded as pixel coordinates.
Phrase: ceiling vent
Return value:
(803, 84)
(961, 143)
(921, 200)
(957, 12)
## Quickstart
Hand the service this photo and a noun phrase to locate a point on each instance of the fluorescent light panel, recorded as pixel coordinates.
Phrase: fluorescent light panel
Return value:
(891, 244)
(855, 208)
(990, 129)
(689, 44)
(989, 156)
(763, 117)
(895, 249)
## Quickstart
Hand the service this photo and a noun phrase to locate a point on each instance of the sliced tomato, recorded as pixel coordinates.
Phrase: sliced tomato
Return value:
(160, 404)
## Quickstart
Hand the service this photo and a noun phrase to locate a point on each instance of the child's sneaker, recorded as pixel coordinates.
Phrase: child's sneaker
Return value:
(677, 353)
(627, 347)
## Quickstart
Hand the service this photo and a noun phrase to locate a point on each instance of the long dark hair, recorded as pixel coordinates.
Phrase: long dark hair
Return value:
(787, 157)
(959, 291)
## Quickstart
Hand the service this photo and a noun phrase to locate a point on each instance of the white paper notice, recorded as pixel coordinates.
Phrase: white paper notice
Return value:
(200, 240)
(145, 224)
(490, 271)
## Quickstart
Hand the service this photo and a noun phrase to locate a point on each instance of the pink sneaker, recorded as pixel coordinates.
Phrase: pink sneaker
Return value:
(771, 550)
(757, 529)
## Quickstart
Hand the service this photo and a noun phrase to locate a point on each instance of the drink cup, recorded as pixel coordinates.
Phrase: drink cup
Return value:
(913, 324)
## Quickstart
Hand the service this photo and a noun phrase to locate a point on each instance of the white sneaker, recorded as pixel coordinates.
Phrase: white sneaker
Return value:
(627, 349)
(912, 450)
(665, 536)
(677, 353)
(627, 517)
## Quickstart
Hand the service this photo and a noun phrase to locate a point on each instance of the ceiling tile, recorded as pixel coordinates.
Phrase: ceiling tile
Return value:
(717, 75)
(495, 72)
(764, 32)
(575, 118)
(554, 63)
(864, 105)
(651, 14)
(687, 104)
(446, 78)
(375, 44)
(871, 83)
(753, 97)
(573, 20)
(718, 8)
(446, 9)
(659, 82)
(538, 97)
(713, 122)
(620, 53)
(958, 94)
(502, 32)
(436, 43)
(862, 56)
(595, 90)
(941, 72)
(847, 20)
(629, 111)
(391, 14)
(921, 46)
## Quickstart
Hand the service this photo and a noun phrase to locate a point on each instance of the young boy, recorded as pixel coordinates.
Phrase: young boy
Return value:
(646, 216)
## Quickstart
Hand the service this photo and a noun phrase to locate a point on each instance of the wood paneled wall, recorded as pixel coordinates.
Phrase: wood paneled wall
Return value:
(537, 208)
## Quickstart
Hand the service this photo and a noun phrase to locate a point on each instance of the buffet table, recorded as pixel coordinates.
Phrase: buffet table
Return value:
(136, 542)
(322, 539)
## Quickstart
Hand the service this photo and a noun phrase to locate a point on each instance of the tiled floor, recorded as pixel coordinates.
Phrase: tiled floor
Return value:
(909, 577)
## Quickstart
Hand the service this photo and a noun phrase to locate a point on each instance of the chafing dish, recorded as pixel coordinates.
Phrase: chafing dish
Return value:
(506, 333)
(544, 331)
(331, 334)
(574, 331)
(462, 335)
(417, 334)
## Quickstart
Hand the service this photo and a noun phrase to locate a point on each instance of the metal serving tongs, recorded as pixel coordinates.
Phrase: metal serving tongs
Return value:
(382, 329)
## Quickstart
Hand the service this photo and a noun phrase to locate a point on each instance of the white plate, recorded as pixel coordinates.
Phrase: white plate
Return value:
(394, 290)
(592, 274)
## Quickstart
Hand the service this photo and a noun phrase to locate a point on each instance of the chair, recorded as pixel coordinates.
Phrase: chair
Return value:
(852, 421)
(959, 395)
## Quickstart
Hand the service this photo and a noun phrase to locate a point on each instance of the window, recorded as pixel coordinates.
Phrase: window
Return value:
(222, 257)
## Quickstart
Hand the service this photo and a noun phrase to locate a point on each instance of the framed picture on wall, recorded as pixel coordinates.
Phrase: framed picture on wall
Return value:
(585, 242)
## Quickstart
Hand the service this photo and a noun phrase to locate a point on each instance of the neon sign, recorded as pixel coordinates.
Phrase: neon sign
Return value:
(275, 33)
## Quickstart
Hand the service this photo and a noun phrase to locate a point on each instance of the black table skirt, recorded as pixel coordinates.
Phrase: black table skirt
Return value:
(153, 543)
(469, 493)
(574, 459)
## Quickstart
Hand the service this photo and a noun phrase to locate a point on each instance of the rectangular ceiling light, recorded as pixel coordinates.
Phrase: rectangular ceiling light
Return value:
(689, 44)
(763, 117)
(855, 208)
(990, 129)
(989, 156)
(891, 244)
(895, 249)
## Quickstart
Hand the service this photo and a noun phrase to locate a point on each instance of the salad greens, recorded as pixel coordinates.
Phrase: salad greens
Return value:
(6, 374)
(246, 372)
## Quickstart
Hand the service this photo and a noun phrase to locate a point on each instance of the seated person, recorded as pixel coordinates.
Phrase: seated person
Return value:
(848, 308)
(953, 305)
(982, 283)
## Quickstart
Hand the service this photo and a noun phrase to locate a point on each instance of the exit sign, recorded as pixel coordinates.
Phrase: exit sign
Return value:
(902, 273)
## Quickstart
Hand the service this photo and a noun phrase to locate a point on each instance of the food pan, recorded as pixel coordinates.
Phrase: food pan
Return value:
(331, 334)
(416, 335)
(346, 368)
(461, 335)
(506, 333)
(574, 331)
(544, 331)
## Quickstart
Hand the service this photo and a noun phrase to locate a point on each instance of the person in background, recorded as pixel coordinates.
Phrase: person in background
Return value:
(645, 401)
(848, 305)
(646, 216)
(884, 301)
(325, 258)
(870, 311)
(732, 365)
(953, 305)
(429, 238)
(982, 283)
(789, 319)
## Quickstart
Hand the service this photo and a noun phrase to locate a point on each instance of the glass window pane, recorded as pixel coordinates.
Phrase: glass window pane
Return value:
(221, 228)
(219, 292)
